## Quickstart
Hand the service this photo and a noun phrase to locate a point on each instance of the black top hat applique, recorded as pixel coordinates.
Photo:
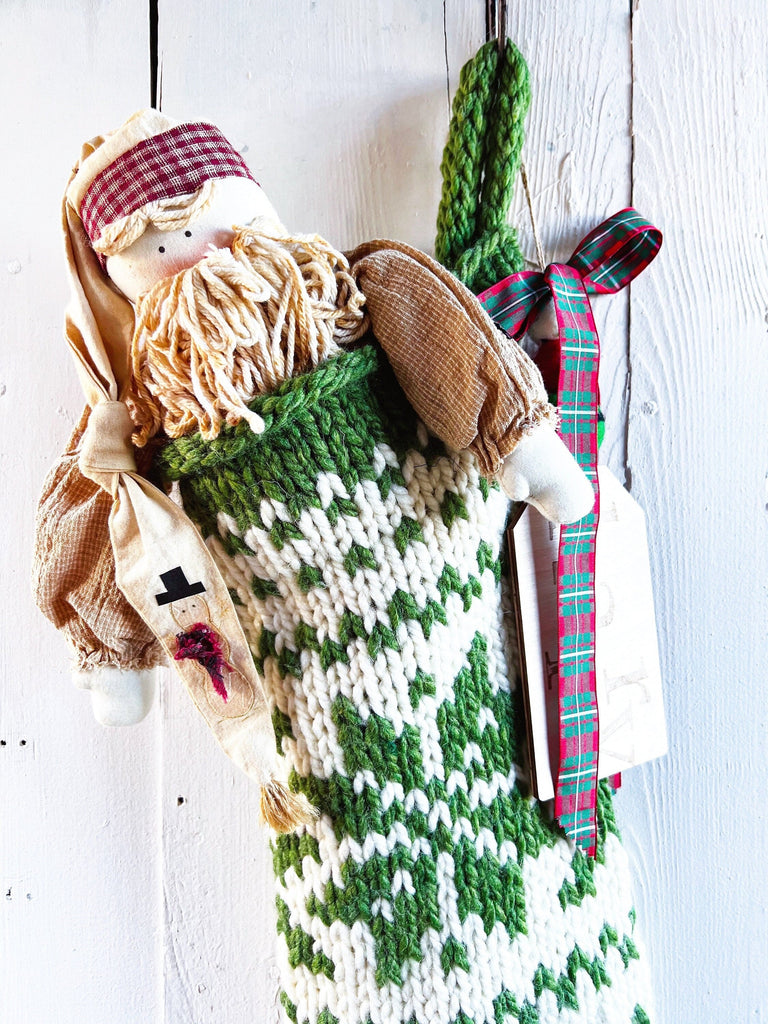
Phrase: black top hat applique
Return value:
(177, 587)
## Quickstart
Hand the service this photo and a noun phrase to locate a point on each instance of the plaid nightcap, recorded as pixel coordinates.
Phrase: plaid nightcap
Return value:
(174, 163)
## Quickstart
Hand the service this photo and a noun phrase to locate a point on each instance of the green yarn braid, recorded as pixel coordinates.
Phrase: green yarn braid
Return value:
(480, 162)
(463, 156)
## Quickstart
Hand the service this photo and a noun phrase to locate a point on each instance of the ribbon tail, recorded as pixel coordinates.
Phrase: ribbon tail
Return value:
(576, 790)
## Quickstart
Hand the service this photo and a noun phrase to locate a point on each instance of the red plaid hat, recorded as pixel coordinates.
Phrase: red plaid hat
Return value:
(172, 163)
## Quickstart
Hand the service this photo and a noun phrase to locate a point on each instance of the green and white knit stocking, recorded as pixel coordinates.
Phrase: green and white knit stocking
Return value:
(364, 559)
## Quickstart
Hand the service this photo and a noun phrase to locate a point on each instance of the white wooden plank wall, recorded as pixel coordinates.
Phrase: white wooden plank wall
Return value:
(698, 455)
(78, 804)
(135, 879)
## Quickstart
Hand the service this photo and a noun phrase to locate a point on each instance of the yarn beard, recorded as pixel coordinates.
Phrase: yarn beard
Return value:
(213, 337)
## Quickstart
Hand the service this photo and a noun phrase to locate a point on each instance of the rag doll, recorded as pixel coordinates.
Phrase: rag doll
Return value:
(344, 432)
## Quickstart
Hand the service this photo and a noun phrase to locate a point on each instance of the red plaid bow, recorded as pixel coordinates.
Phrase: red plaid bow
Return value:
(605, 261)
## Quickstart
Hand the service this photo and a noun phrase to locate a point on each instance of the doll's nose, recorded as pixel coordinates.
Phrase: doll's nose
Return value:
(206, 239)
(191, 246)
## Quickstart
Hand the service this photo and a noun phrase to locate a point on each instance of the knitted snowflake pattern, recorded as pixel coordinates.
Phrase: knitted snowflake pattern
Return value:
(365, 562)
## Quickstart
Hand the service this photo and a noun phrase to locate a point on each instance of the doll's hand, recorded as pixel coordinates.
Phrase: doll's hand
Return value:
(118, 696)
(543, 472)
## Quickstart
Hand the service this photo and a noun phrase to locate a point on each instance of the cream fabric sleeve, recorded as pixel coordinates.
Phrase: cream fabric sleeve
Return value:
(472, 385)
(73, 571)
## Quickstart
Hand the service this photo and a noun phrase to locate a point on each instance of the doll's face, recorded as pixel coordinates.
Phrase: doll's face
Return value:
(190, 611)
(158, 254)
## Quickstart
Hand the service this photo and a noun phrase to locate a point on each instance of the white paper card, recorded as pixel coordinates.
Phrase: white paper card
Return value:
(629, 690)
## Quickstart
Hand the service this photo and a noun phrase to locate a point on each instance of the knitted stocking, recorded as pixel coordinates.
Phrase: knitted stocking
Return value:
(365, 561)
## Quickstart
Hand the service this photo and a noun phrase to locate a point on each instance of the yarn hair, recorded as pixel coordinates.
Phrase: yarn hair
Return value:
(235, 325)
(168, 214)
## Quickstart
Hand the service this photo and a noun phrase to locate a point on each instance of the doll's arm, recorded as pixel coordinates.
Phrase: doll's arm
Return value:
(74, 586)
(473, 386)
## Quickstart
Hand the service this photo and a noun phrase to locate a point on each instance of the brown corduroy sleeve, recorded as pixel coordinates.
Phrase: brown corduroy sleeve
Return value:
(472, 386)
(73, 572)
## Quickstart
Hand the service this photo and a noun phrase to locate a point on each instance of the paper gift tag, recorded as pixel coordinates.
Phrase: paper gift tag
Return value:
(629, 691)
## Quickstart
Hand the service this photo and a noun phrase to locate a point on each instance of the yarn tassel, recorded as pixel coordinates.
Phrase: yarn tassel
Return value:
(283, 810)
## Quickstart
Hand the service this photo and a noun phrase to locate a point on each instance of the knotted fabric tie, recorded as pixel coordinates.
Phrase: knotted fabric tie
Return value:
(106, 449)
(610, 256)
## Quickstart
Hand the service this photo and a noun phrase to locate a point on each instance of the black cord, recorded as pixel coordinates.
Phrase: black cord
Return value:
(153, 20)
(490, 20)
(496, 22)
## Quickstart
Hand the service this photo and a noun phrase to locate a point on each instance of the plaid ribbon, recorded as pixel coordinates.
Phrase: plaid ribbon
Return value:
(173, 163)
(605, 261)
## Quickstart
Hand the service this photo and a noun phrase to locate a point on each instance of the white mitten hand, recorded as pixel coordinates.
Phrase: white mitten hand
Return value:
(543, 472)
(545, 326)
(118, 696)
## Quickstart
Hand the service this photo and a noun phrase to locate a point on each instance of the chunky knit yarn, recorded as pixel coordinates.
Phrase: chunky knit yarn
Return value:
(365, 562)
(480, 162)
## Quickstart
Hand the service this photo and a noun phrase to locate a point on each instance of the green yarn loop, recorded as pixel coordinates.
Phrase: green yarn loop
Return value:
(494, 256)
(479, 165)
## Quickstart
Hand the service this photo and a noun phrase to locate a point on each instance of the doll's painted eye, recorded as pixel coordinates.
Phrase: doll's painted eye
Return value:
(161, 249)
(188, 234)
